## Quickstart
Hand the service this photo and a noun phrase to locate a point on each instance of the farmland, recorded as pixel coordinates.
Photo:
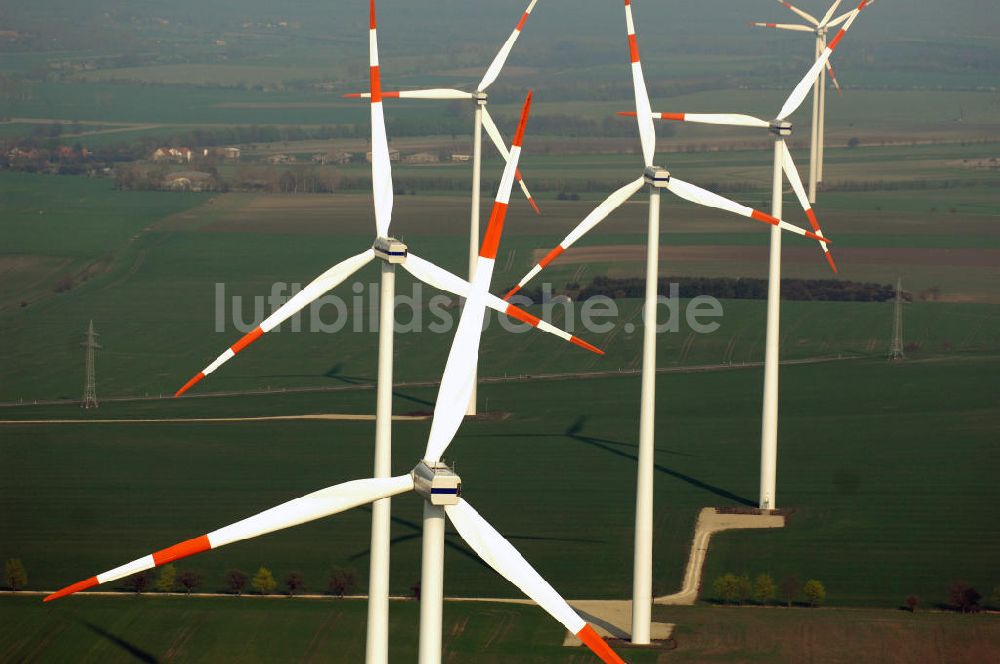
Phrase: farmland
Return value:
(887, 470)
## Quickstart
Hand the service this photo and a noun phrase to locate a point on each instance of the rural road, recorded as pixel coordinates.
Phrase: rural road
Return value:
(338, 417)
(611, 618)
(483, 380)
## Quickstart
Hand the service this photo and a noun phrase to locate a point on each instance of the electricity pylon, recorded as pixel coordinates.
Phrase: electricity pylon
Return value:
(90, 388)
(896, 347)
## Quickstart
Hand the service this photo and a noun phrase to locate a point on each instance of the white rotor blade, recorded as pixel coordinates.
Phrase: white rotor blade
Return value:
(460, 369)
(316, 505)
(444, 280)
(596, 216)
(315, 289)
(730, 119)
(829, 12)
(802, 89)
(501, 57)
(806, 15)
(430, 93)
(381, 167)
(846, 15)
(643, 112)
(494, 133)
(792, 173)
(783, 26)
(501, 555)
(696, 194)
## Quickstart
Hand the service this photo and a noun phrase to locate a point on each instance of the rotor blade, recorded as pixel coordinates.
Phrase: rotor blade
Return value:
(801, 90)
(846, 15)
(696, 194)
(732, 119)
(316, 505)
(381, 168)
(431, 93)
(494, 134)
(460, 369)
(499, 554)
(806, 15)
(609, 205)
(792, 174)
(501, 57)
(647, 134)
(442, 279)
(315, 289)
(783, 26)
(833, 78)
(829, 13)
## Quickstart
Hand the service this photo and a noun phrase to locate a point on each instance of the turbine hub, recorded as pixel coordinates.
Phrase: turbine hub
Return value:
(781, 127)
(437, 483)
(656, 176)
(479, 97)
(390, 250)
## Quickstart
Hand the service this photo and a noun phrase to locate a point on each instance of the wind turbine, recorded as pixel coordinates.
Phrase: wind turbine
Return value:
(482, 120)
(820, 28)
(656, 178)
(780, 128)
(433, 480)
(392, 252)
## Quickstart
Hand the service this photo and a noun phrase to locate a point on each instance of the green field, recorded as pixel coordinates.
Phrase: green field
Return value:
(887, 470)
(176, 629)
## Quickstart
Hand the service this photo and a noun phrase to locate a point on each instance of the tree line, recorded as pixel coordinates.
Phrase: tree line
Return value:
(732, 288)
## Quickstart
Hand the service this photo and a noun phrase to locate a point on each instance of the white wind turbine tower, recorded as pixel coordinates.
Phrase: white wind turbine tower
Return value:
(483, 120)
(435, 482)
(780, 128)
(392, 252)
(819, 27)
(656, 178)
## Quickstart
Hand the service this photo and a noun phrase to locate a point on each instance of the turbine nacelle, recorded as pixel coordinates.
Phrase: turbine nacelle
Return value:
(656, 176)
(436, 483)
(480, 97)
(390, 250)
(780, 128)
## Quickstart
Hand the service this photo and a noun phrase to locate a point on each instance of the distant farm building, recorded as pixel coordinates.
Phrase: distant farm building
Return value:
(232, 154)
(461, 157)
(179, 155)
(332, 158)
(188, 181)
(393, 155)
(281, 159)
(422, 158)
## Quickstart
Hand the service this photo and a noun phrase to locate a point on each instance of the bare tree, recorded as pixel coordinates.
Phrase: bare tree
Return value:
(789, 588)
(236, 581)
(294, 582)
(189, 580)
(342, 581)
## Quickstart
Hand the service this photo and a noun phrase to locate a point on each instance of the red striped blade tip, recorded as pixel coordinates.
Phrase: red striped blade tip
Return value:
(188, 385)
(583, 344)
(813, 236)
(519, 136)
(627, 114)
(371, 15)
(599, 646)
(511, 292)
(182, 550)
(829, 260)
(534, 205)
(75, 588)
(352, 95)
(247, 339)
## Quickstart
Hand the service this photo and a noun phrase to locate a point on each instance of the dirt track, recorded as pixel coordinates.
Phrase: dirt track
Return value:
(338, 417)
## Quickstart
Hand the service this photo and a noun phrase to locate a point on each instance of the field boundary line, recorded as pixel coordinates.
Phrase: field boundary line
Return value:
(483, 380)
